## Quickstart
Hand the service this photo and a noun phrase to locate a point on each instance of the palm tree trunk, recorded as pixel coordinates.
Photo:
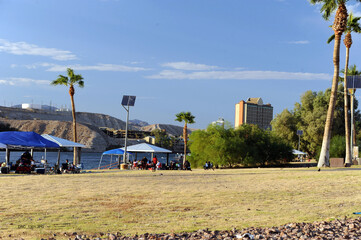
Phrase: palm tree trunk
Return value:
(346, 109)
(325, 149)
(185, 138)
(75, 139)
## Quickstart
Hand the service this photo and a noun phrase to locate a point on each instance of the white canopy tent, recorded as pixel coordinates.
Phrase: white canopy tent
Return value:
(296, 152)
(147, 148)
(62, 143)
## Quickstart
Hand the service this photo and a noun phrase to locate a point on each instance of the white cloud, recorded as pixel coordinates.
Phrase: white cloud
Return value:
(99, 67)
(354, 9)
(241, 75)
(299, 42)
(23, 82)
(188, 66)
(23, 48)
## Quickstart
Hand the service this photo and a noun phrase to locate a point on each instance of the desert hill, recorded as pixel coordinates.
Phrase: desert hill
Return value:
(59, 124)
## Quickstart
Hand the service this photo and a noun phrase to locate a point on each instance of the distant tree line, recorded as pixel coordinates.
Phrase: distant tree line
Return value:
(4, 127)
(309, 115)
(248, 145)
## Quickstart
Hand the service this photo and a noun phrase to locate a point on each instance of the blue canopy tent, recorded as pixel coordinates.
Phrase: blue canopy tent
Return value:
(27, 140)
(117, 151)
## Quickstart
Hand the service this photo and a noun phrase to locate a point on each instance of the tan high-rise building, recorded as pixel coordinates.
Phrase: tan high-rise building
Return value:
(253, 112)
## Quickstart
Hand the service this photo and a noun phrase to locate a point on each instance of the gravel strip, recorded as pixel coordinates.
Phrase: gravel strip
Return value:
(337, 229)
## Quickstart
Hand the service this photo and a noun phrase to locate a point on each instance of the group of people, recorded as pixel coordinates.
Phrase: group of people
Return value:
(144, 164)
(208, 165)
(155, 164)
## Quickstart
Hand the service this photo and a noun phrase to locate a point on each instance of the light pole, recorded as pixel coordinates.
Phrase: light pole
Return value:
(299, 133)
(352, 110)
(127, 102)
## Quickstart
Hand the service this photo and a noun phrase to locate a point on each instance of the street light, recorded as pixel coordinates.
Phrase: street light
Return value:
(353, 82)
(128, 101)
(299, 133)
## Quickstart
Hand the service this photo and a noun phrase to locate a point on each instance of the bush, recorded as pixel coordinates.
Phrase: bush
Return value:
(247, 145)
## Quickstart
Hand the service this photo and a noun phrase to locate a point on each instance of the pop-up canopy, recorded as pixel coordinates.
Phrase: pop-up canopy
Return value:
(15, 139)
(62, 142)
(146, 148)
(117, 151)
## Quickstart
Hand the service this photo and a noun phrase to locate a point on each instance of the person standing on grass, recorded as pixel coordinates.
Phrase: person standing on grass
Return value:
(155, 160)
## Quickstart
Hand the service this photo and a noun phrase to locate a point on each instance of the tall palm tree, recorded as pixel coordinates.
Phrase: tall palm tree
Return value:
(339, 26)
(185, 117)
(71, 80)
(352, 26)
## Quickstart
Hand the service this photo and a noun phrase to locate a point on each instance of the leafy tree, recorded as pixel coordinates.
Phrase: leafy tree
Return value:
(71, 80)
(339, 26)
(285, 126)
(4, 127)
(337, 144)
(247, 145)
(185, 117)
(309, 115)
(162, 139)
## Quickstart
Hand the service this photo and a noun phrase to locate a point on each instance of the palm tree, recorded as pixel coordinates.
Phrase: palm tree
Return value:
(71, 80)
(352, 26)
(352, 71)
(339, 26)
(187, 117)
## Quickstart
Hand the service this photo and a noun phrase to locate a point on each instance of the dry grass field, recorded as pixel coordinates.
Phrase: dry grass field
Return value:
(35, 206)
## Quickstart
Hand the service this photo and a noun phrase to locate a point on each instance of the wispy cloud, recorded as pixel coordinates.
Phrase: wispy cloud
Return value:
(240, 75)
(189, 66)
(23, 82)
(354, 9)
(23, 48)
(99, 67)
(299, 42)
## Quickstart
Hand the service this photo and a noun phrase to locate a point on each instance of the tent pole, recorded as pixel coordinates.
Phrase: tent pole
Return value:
(58, 162)
(79, 155)
(100, 162)
(7, 157)
(45, 153)
(111, 160)
(167, 159)
(32, 152)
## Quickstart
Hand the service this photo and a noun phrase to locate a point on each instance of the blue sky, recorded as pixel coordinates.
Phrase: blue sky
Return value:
(200, 56)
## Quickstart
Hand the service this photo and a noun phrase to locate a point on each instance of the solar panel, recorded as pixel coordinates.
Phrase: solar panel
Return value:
(353, 81)
(128, 100)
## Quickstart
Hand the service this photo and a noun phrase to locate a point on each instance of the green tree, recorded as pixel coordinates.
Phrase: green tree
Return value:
(339, 26)
(71, 80)
(162, 139)
(285, 126)
(4, 127)
(247, 145)
(309, 115)
(352, 26)
(185, 117)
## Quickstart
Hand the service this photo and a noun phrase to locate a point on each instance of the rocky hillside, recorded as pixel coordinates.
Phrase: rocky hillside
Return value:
(59, 124)
(94, 139)
(95, 119)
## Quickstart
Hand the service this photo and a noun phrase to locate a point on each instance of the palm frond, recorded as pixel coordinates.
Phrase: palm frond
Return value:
(61, 80)
(330, 39)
